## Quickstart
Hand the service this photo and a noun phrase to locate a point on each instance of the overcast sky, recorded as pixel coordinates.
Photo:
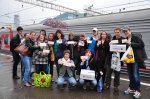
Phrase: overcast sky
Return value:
(9, 7)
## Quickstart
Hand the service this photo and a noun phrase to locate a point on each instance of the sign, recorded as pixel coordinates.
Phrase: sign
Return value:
(70, 42)
(118, 48)
(42, 44)
(87, 74)
(51, 42)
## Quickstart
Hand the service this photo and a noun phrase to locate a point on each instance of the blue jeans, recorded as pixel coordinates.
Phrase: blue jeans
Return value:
(41, 67)
(133, 72)
(27, 62)
(93, 82)
(61, 80)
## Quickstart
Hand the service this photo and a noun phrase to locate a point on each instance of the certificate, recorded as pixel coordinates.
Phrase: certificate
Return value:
(81, 44)
(117, 47)
(89, 41)
(42, 44)
(51, 42)
(46, 51)
(70, 42)
(59, 42)
(84, 57)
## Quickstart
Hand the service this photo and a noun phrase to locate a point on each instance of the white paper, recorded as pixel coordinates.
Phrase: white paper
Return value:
(58, 41)
(42, 44)
(46, 51)
(118, 48)
(81, 44)
(114, 41)
(84, 57)
(89, 41)
(124, 40)
(87, 74)
(115, 62)
(51, 42)
(70, 42)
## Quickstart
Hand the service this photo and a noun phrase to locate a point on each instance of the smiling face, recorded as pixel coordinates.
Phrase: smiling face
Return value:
(51, 36)
(117, 33)
(127, 33)
(41, 38)
(33, 35)
(94, 33)
(59, 35)
(66, 56)
(103, 35)
(27, 36)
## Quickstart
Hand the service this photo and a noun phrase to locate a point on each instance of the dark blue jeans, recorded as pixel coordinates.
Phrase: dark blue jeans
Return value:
(133, 72)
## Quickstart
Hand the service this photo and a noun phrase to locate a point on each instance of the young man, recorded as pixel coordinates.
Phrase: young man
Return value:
(14, 43)
(92, 38)
(66, 70)
(137, 45)
(119, 38)
(88, 64)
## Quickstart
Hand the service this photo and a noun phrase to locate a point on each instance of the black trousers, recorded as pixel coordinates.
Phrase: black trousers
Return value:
(16, 60)
(116, 77)
(51, 64)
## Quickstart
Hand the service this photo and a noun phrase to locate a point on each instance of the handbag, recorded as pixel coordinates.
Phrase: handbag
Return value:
(115, 62)
(128, 56)
(22, 49)
(42, 79)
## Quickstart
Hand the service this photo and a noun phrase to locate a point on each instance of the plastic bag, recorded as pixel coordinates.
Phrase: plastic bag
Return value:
(115, 62)
(128, 56)
(99, 85)
(42, 79)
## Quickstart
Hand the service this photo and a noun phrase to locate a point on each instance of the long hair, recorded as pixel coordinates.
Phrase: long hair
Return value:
(107, 36)
(62, 34)
(50, 34)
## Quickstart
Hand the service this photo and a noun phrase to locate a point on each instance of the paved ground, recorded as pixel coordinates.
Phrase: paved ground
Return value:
(13, 89)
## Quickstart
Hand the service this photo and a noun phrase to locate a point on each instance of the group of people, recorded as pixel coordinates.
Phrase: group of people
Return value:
(74, 54)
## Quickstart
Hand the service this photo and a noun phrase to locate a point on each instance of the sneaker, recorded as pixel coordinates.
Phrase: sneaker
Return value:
(128, 91)
(16, 77)
(27, 85)
(137, 95)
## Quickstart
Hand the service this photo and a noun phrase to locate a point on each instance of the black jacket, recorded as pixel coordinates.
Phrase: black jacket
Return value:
(103, 51)
(14, 42)
(30, 43)
(91, 64)
(74, 50)
(138, 48)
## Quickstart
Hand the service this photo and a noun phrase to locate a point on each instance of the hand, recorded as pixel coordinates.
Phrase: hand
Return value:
(127, 42)
(83, 60)
(101, 72)
(67, 44)
(75, 43)
(111, 43)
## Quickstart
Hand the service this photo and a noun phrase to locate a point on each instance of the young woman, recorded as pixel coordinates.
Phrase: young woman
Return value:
(40, 57)
(72, 45)
(102, 51)
(27, 59)
(59, 47)
(66, 70)
(88, 64)
(51, 56)
(82, 45)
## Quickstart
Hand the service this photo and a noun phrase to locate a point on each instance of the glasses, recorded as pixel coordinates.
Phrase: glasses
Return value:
(124, 31)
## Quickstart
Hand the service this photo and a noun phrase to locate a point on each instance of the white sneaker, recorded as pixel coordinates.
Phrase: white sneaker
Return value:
(128, 91)
(137, 95)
